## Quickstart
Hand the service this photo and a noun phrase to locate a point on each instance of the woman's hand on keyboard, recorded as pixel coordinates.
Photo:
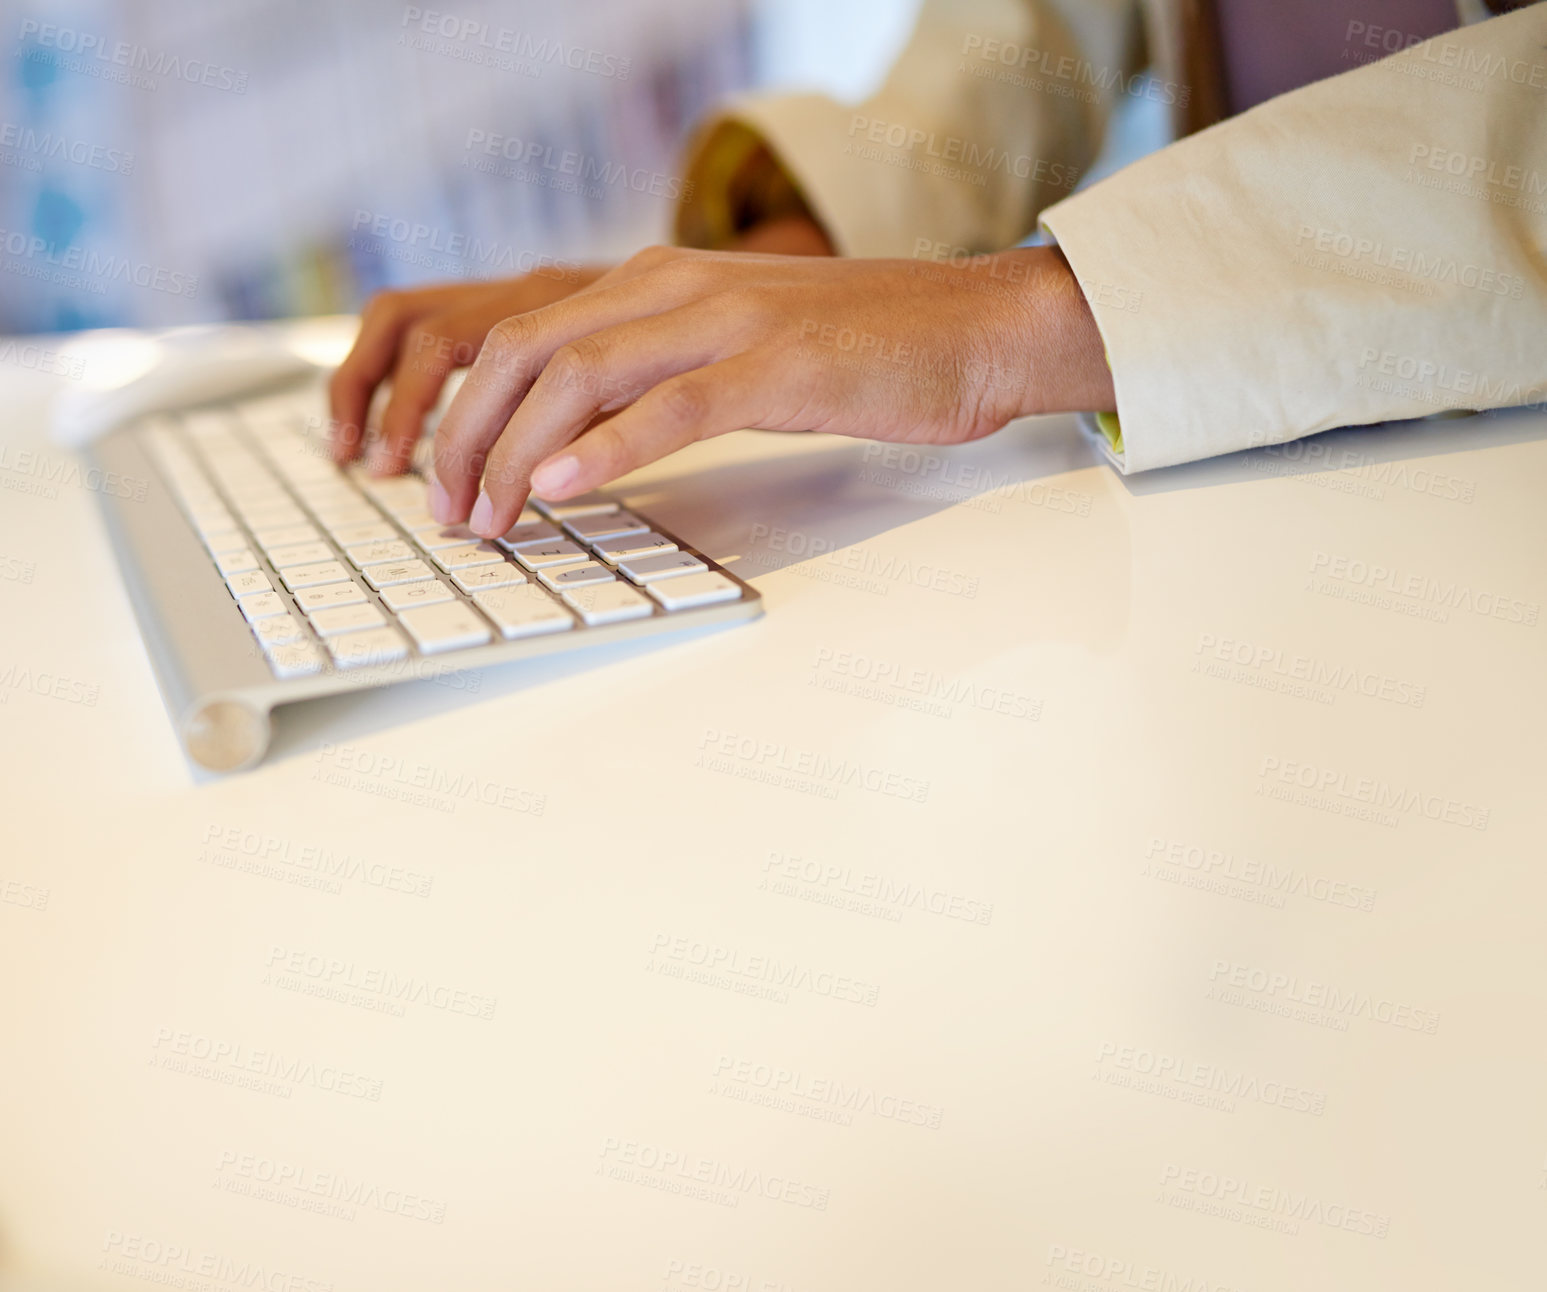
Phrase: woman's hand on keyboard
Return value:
(416, 338)
(676, 346)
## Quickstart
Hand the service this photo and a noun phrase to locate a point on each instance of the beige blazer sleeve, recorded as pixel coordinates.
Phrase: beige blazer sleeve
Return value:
(1370, 247)
(991, 113)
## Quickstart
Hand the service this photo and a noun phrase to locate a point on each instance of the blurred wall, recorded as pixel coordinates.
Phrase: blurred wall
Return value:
(174, 161)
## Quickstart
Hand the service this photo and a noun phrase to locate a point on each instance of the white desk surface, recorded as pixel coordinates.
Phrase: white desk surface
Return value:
(1119, 1004)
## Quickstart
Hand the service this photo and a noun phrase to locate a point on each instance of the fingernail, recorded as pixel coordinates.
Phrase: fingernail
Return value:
(440, 502)
(381, 461)
(483, 514)
(553, 476)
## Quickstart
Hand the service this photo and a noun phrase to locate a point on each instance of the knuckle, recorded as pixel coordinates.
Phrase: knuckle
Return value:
(442, 447)
(685, 274)
(511, 333)
(384, 305)
(509, 341)
(453, 458)
(424, 346)
(504, 472)
(577, 365)
(454, 453)
(684, 401)
(653, 256)
(609, 450)
(750, 305)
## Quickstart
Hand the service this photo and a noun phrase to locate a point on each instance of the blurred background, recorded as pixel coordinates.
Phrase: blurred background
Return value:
(181, 161)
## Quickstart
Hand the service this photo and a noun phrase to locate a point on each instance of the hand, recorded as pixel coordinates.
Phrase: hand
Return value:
(416, 338)
(676, 346)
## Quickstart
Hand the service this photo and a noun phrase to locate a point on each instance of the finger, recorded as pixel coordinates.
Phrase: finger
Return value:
(428, 352)
(604, 371)
(742, 391)
(369, 359)
(516, 352)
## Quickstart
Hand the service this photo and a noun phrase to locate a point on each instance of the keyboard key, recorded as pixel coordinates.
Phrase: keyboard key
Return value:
(224, 540)
(528, 532)
(333, 620)
(524, 611)
(365, 554)
(465, 554)
(273, 536)
(402, 596)
(458, 556)
(668, 565)
(373, 646)
(586, 505)
(208, 424)
(213, 519)
(298, 660)
(322, 598)
(605, 525)
(310, 576)
(278, 630)
(337, 515)
(409, 504)
(271, 515)
(236, 562)
(250, 483)
(384, 576)
(414, 519)
(247, 583)
(606, 603)
(613, 550)
(539, 555)
(478, 577)
(263, 604)
(452, 626)
(393, 489)
(693, 590)
(353, 533)
(560, 577)
(325, 490)
(431, 537)
(282, 558)
(242, 471)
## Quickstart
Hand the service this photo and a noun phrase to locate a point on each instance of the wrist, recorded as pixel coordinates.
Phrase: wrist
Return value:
(1057, 344)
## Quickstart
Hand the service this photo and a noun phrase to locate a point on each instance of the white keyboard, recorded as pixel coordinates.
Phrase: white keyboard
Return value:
(335, 571)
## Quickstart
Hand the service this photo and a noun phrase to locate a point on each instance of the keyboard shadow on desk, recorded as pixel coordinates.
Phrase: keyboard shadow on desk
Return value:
(304, 727)
(1372, 454)
(841, 493)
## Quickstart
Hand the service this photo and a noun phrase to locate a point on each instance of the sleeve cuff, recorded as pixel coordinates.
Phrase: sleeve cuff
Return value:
(792, 134)
(733, 181)
(1111, 430)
